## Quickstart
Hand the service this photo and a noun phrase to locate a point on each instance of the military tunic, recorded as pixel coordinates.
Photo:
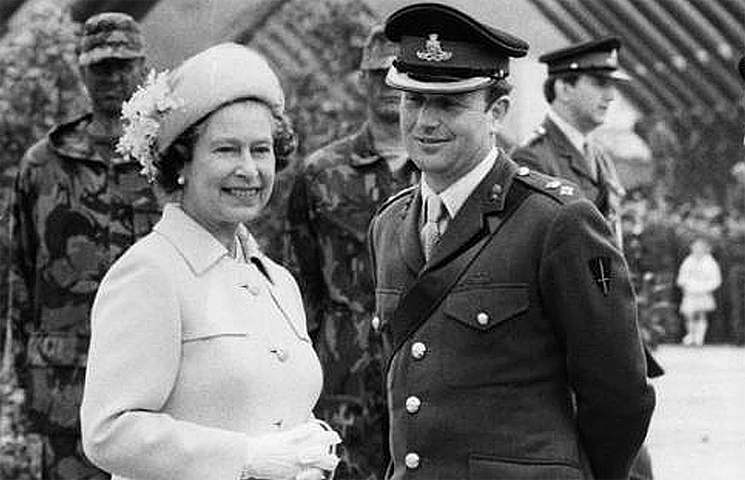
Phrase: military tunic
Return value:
(333, 200)
(77, 206)
(516, 348)
(549, 151)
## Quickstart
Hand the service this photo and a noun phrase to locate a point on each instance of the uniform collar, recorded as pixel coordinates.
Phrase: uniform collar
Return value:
(201, 249)
(454, 196)
(71, 140)
(575, 137)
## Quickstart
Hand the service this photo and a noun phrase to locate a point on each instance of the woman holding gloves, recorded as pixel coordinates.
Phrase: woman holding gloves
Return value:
(200, 365)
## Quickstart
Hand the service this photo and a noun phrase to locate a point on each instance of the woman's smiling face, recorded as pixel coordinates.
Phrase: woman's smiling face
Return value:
(230, 177)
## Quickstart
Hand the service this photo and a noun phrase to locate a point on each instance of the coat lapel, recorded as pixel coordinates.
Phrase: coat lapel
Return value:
(468, 226)
(575, 159)
(409, 243)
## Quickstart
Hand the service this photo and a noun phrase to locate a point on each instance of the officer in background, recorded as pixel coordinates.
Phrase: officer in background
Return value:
(516, 351)
(335, 195)
(580, 88)
(77, 206)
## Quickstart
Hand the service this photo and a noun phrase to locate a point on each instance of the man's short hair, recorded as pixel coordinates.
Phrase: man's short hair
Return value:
(549, 86)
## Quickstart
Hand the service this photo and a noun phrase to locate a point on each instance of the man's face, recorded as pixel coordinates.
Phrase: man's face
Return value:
(111, 82)
(446, 135)
(382, 100)
(588, 101)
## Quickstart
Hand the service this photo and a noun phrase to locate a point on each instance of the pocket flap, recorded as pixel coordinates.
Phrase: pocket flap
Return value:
(484, 306)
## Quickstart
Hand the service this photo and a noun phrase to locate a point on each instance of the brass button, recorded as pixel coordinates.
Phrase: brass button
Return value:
(418, 349)
(413, 404)
(375, 323)
(523, 171)
(412, 460)
(482, 318)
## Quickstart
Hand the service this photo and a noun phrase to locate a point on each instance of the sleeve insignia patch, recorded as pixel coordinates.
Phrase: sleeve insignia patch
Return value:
(600, 267)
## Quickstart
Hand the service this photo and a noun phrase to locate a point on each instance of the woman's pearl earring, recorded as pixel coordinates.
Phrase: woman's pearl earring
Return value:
(180, 180)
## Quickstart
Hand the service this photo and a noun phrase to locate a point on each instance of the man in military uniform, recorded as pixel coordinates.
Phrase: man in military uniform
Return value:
(77, 206)
(334, 197)
(516, 352)
(580, 87)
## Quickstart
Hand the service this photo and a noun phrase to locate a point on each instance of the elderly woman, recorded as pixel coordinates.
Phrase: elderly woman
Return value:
(200, 365)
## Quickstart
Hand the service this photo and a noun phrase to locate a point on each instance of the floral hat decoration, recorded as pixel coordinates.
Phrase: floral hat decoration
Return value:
(142, 116)
(170, 102)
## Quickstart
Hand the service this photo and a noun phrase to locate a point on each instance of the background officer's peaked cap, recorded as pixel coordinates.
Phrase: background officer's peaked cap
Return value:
(444, 50)
(596, 57)
(110, 35)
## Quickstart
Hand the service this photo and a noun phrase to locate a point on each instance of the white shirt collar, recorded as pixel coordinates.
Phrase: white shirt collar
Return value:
(456, 194)
(576, 138)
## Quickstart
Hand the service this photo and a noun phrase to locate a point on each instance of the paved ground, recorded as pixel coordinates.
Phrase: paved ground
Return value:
(698, 429)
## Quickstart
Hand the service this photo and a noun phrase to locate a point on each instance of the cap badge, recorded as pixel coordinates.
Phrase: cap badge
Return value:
(434, 51)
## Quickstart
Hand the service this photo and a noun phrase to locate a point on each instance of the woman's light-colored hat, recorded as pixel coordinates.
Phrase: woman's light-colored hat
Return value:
(169, 103)
(212, 78)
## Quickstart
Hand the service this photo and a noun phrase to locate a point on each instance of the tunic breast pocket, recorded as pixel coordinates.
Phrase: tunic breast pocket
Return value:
(479, 322)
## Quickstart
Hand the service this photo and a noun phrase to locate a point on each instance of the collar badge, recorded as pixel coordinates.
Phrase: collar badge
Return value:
(433, 51)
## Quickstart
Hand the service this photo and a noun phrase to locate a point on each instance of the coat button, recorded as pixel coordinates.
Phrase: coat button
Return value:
(412, 460)
(523, 171)
(418, 349)
(413, 404)
(482, 318)
(375, 323)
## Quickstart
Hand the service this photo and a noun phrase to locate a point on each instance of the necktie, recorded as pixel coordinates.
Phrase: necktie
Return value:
(431, 231)
(592, 161)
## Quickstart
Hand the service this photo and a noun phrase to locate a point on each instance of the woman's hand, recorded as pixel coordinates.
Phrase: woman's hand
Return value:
(285, 455)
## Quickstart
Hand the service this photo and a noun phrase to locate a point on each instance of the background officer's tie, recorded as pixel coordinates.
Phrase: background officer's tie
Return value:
(434, 225)
(591, 159)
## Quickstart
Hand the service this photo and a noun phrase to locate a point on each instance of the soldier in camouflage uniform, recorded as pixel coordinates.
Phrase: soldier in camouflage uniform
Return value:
(333, 200)
(77, 206)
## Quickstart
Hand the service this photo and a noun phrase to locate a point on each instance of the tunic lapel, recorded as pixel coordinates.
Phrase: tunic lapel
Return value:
(408, 240)
(576, 160)
(468, 226)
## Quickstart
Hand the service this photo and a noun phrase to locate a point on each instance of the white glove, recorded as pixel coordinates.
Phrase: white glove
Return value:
(283, 455)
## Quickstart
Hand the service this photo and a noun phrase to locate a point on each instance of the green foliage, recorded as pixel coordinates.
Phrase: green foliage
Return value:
(39, 85)
(323, 99)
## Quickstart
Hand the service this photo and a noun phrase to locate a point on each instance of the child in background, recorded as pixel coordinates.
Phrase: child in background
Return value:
(698, 277)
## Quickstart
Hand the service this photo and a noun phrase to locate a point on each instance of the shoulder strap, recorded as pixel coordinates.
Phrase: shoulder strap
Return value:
(425, 294)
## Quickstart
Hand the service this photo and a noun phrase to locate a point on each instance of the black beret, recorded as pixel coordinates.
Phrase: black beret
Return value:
(445, 50)
(598, 57)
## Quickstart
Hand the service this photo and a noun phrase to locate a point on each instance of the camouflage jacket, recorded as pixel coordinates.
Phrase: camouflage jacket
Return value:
(335, 195)
(77, 206)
